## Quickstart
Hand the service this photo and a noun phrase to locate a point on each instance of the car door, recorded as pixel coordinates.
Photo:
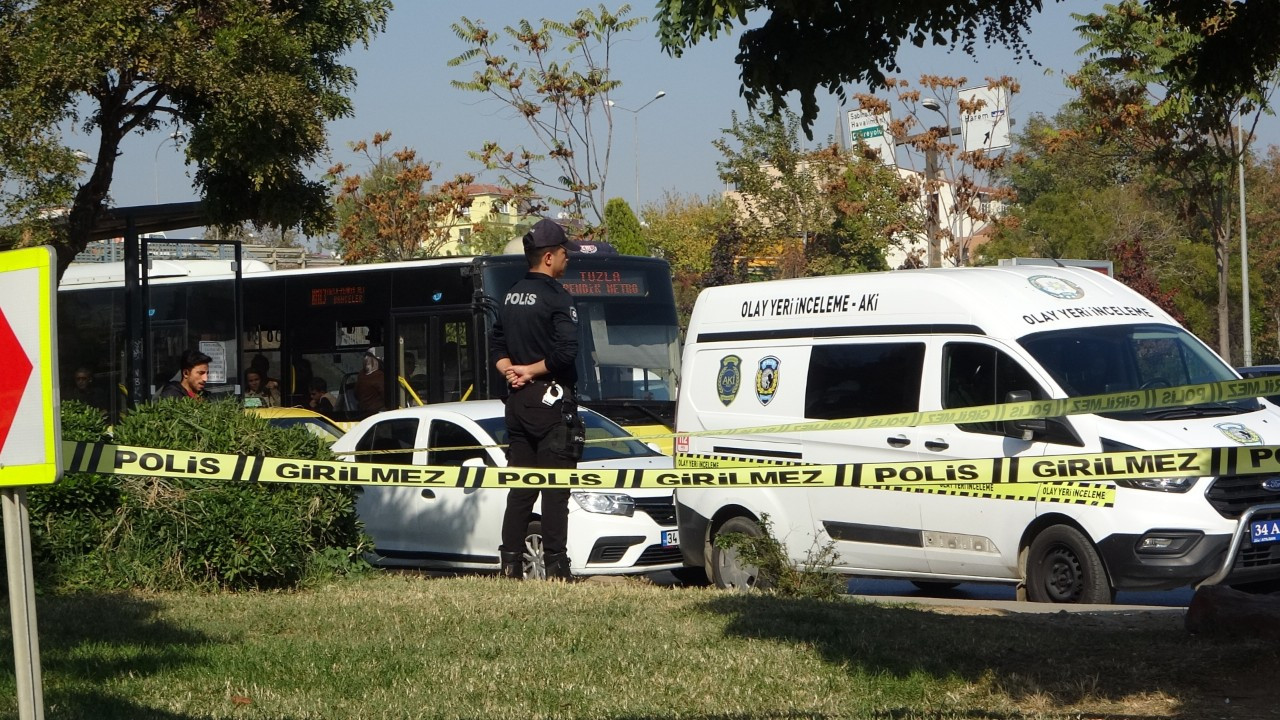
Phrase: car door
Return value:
(467, 522)
(399, 519)
(873, 529)
(974, 532)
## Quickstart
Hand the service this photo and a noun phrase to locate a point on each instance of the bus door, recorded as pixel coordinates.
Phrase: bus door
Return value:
(435, 357)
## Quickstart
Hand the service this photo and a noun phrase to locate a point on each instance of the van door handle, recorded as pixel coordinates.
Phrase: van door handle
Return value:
(428, 494)
(899, 441)
(937, 444)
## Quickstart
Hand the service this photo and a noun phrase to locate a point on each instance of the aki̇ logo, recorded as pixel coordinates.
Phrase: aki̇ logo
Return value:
(729, 378)
(1239, 433)
(767, 379)
(1060, 288)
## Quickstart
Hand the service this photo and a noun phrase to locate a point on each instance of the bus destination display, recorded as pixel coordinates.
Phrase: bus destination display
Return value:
(348, 295)
(604, 283)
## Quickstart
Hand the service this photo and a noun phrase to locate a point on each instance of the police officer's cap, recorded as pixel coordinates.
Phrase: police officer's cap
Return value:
(546, 234)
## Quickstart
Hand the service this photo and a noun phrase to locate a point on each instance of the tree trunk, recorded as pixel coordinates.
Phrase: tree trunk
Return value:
(1223, 256)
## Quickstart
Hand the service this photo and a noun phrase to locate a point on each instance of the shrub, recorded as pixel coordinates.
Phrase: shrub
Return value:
(169, 533)
(814, 578)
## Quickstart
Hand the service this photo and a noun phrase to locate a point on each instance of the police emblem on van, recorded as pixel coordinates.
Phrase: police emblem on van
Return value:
(767, 379)
(729, 379)
(1060, 288)
(1239, 433)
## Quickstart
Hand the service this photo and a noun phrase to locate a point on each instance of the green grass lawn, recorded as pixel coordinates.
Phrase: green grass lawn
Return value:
(403, 646)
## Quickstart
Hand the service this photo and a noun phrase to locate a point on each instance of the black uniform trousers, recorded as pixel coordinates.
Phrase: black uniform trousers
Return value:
(530, 423)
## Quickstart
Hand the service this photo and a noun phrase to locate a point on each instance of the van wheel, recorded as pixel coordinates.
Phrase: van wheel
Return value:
(535, 565)
(935, 586)
(728, 571)
(1063, 567)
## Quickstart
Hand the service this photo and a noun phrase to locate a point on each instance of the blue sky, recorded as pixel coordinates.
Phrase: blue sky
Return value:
(404, 87)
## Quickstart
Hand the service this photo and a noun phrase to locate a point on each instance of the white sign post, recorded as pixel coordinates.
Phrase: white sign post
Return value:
(873, 129)
(988, 127)
(30, 441)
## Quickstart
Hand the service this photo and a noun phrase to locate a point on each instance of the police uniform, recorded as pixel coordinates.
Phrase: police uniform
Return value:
(536, 322)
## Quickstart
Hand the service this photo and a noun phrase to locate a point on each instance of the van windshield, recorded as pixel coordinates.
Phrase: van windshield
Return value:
(1120, 358)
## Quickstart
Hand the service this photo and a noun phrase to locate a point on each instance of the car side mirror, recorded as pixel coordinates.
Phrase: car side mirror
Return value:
(1025, 429)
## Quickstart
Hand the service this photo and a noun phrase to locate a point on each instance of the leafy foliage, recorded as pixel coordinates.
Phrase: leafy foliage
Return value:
(392, 213)
(814, 578)
(561, 92)
(152, 532)
(622, 229)
(252, 85)
(827, 43)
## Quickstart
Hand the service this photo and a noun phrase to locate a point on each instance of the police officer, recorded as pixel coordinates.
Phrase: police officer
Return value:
(534, 345)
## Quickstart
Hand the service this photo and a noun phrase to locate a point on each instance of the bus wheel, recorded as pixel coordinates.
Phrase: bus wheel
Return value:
(1063, 567)
(535, 566)
(728, 571)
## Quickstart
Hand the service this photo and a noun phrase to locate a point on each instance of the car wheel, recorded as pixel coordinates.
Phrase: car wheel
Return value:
(1063, 567)
(728, 571)
(535, 564)
(935, 586)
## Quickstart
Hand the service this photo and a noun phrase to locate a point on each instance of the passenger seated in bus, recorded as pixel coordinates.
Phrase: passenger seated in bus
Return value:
(262, 365)
(84, 390)
(416, 375)
(371, 385)
(319, 400)
(193, 373)
(256, 391)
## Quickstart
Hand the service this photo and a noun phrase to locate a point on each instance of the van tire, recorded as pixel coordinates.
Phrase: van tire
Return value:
(728, 572)
(1063, 567)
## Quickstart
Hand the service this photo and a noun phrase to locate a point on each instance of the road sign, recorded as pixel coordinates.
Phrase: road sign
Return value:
(988, 127)
(30, 433)
(873, 129)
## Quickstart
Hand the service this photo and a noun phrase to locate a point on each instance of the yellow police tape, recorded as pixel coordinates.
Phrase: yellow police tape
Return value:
(1058, 472)
(1148, 399)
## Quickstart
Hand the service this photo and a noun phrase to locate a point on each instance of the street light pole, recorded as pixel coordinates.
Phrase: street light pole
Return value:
(932, 223)
(1244, 258)
(175, 136)
(635, 136)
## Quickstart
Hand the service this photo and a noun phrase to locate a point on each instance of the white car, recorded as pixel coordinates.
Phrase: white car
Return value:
(610, 532)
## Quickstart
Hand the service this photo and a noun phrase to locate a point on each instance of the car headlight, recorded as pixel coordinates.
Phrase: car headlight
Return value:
(605, 503)
(1159, 484)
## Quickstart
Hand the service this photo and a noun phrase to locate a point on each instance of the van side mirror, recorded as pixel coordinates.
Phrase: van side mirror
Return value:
(1024, 429)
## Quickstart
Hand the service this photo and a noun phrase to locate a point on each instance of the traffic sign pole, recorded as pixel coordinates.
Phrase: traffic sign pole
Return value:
(22, 604)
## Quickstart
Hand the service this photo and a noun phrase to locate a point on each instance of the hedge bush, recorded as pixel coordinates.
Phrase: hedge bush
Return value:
(98, 531)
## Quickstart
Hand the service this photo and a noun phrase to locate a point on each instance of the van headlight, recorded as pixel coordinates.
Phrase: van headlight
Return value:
(1159, 484)
(605, 503)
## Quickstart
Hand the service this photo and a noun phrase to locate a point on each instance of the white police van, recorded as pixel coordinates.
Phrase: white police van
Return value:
(791, 351)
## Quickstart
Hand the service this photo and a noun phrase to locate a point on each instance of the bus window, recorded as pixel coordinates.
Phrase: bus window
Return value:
(435, 358)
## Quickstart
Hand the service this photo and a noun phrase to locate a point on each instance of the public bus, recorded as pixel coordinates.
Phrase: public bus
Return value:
(426, 322)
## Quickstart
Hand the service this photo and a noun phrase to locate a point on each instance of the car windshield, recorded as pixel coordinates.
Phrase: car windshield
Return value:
(322, 429)
(1120, 358)
(598, 428)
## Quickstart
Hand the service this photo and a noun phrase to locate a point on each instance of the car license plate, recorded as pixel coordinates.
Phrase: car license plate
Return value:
(670, 538)
(1264, 531)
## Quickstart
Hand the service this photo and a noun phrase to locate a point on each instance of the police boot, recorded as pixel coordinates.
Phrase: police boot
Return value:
(512, 565)
(557, 565)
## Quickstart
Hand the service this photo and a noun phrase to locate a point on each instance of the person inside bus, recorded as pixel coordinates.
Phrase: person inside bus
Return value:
(193, 373)
(256, 389)
(84, 390)
(319, 399)
(371, 385)
(262, 365)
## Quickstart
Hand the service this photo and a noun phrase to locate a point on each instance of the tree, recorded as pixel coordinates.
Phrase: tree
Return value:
(562, 94)
(684, 230)
(955, 191)
(390, 213)
(1263, 187)
(1139, 83)
(252, 85)
(801, 47)
(622, 229)
(250, 234)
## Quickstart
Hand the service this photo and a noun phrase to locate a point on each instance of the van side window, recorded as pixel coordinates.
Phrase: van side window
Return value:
(398, 434)
(863, 379)
(975, 374)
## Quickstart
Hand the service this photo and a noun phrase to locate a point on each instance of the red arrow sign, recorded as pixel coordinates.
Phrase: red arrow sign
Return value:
(15, 371)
